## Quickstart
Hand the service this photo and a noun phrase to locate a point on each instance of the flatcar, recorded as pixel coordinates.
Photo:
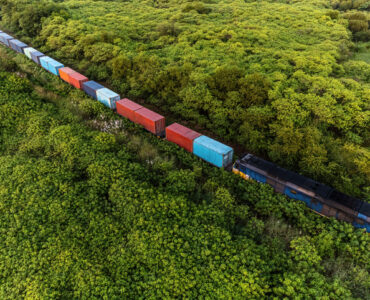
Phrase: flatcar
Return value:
(317, 196)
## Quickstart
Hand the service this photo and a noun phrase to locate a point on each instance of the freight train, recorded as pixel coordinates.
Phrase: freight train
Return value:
(317, 196)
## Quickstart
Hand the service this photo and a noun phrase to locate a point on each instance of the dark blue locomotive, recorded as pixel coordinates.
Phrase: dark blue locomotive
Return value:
(317, 196)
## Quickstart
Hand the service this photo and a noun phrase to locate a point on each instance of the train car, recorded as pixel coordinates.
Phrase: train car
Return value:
(151, 121)
(51, 65)
(54, 66)
(27, 51)
(212, 151)
(91, 87)
(36, 56)
(182, 136)
(107, 97)
(65, 74)
(5, 38)
(44, 62)
(126, 108)
(17, 45)
(363, 217)
(77, 80)
(358, 211)
(317, 196)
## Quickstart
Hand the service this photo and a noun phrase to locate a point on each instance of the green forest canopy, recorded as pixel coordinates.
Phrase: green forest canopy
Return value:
(273, 76)
(93, 207)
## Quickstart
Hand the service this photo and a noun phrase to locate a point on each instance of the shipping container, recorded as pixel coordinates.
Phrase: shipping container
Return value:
(65, 74)
(108, 97)
(5, 38)
(181, 136)
(91, 87)
(77, 79)
(36, 55)
(153, 122)
(17, 45)
(127, 108)
(213, 151)
(54, 66)
(44, 62)
(28, 51)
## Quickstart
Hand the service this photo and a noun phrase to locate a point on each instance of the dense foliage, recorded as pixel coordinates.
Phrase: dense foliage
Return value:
(92, 207)
(273, 76)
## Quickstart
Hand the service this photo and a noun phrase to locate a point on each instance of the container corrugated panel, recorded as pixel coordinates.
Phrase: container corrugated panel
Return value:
(91, 87)
(153, 122)
(44, 62)
(54, 66)
(181, 136)
(36, 56)
(65, 73)
(5, 38)
(17, 45)
(2, 37)
(108, 97)
(12, 44)
(127, 108)
(77, 79)
(28, 51)
(213, 151)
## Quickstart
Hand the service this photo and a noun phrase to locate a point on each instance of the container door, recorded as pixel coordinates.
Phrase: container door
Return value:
(227, 159)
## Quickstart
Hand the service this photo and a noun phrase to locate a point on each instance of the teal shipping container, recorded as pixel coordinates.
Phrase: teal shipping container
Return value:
(50, 65)
(28, 51)
(44, 62)
(54, 66)
(213, 151)
(108, 97)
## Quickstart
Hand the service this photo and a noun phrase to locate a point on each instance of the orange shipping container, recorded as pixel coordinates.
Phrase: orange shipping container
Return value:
(77, 79)
(127, 108)
(65, 73)
(181, 136)
(153, 122)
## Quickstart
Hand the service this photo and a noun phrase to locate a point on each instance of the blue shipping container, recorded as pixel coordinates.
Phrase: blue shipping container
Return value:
(5, 38)
(17, 45)
(36, 56)
(91, 87)
(213, 151)
(54, 66)
(44, 62)
(107, 97)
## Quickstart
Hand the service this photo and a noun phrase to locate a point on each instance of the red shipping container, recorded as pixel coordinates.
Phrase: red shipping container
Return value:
(76, 79)
(181, 136)
(65, 73)
(127, 108)
(153, 122)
